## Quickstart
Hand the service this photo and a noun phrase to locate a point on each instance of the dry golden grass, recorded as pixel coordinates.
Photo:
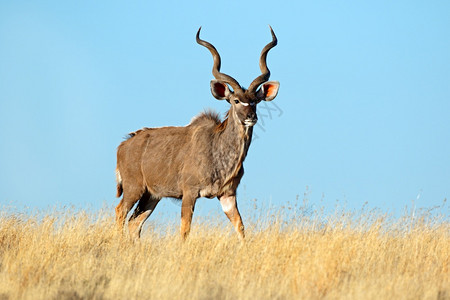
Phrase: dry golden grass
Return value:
(364, 255)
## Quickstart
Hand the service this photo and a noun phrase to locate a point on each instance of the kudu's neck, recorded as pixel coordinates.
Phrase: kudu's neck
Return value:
(231, 146)
(235, 134)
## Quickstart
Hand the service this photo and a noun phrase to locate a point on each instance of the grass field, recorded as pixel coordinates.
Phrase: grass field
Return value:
(287, 254)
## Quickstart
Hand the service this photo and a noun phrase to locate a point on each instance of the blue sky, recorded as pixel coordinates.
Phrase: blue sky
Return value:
(363, 112)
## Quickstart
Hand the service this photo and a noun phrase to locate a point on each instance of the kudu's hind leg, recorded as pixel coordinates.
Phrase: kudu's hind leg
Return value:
(143, 210)
(130, 197)
(229, 206)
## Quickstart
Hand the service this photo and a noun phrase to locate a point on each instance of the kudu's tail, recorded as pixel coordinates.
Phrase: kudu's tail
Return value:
(119, 183)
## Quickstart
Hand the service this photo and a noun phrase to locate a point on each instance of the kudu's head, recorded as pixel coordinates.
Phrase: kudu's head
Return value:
(243, 100)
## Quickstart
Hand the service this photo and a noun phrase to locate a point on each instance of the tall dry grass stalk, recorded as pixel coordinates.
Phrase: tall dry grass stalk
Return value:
(367, 255)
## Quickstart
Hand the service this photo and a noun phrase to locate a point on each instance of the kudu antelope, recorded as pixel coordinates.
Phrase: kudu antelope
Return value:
(202, 159)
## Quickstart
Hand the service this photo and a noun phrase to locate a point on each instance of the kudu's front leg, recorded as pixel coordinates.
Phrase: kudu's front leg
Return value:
(229, 206)
(187, 209)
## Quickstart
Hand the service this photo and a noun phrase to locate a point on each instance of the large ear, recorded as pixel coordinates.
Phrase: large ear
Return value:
(268, 90)
(220, 89)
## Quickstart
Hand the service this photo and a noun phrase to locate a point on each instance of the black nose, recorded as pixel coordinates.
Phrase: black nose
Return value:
(251, 116)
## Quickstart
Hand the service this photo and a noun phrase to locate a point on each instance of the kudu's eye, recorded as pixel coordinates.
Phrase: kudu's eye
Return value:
(236, 101)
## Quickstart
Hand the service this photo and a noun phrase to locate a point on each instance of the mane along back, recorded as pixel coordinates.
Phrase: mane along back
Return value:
(206, 117)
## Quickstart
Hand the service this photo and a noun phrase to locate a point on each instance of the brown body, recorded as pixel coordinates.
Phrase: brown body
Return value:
(203, 159)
